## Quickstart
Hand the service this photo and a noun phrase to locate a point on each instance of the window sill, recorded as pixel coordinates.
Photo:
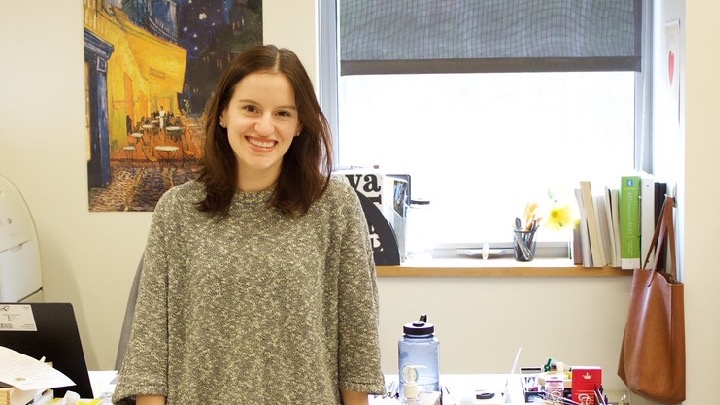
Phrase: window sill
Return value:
(471, 267)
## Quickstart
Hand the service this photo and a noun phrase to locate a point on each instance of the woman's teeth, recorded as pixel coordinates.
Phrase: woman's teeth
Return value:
(262, 144)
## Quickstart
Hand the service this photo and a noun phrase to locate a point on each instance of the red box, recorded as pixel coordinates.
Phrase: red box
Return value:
(584, 381)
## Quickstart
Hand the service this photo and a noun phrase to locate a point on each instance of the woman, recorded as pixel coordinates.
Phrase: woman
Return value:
(258, 284)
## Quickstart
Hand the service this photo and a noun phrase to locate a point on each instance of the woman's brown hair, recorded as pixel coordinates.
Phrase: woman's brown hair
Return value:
(307, 165)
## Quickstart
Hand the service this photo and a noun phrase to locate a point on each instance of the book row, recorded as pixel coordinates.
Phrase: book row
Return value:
(617, 224)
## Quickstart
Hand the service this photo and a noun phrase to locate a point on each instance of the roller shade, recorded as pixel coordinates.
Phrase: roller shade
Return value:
(470, 36)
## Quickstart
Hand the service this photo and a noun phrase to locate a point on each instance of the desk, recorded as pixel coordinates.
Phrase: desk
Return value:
(462, 389)
(461, 386)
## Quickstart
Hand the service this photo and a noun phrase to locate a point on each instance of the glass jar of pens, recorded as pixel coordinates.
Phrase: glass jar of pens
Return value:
(524, 245)
(524, 234)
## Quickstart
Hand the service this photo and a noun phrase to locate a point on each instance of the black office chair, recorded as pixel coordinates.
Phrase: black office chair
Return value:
(129, 311)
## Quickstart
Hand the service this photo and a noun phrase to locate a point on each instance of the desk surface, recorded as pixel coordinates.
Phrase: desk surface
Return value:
(462, 389)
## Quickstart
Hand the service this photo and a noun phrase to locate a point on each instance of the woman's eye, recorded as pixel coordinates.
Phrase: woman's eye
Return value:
(284, 113)
(250, 108)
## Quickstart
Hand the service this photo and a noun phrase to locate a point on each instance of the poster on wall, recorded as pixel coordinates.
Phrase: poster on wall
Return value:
(672, 52)
(150, 68)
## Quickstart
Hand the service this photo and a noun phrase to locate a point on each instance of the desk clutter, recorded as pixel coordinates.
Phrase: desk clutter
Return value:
(25, 380)
(556, 383)
(419, 382)
(42, 357)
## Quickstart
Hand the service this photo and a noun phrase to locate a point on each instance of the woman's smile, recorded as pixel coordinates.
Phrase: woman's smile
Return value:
(260, 143)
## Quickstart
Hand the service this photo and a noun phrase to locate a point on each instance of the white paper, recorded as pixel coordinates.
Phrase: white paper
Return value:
(103, 383)
(26, 373)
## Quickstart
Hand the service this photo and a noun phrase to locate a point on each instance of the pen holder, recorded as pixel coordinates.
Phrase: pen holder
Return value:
(524, 245)
(618, 398)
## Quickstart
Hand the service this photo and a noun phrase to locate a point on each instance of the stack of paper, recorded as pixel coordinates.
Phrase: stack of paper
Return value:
(26, 380)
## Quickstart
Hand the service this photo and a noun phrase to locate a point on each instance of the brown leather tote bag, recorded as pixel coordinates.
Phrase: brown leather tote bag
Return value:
(652, 357)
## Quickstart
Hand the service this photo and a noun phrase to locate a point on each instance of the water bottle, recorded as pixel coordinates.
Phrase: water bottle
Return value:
(418, 358)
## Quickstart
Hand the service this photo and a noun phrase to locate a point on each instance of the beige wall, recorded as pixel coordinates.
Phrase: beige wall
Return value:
(89, 258)
(702, 192)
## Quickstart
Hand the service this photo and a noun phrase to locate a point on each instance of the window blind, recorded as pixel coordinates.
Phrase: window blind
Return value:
(476, 36)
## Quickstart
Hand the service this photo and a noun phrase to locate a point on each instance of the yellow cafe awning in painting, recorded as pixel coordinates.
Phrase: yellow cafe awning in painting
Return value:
(161, 62)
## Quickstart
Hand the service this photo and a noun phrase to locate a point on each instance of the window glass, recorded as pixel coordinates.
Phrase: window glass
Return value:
(481, 146)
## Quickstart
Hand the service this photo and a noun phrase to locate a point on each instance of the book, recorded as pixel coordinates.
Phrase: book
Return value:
(652, 197)
(384, 199)
(660, 192)
(630, 222)
(614, 207)
(603, 222)
(16, 396)
(596, 244)
(613, 229)
(647, 216)
(583, 233)
(576, 251)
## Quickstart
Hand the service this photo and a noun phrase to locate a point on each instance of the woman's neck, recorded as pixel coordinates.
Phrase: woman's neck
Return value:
(251, 184)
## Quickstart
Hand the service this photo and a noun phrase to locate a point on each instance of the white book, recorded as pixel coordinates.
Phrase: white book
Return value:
(596, 244)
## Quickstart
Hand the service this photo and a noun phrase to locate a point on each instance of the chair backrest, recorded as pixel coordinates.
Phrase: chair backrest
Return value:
(129, 312)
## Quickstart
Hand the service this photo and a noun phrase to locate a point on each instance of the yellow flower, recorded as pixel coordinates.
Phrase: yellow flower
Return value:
(559, 217)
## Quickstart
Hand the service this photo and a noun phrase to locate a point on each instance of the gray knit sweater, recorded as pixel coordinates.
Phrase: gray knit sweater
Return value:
(255, 308)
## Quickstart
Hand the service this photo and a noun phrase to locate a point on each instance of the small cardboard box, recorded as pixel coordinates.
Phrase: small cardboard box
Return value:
(585, 379)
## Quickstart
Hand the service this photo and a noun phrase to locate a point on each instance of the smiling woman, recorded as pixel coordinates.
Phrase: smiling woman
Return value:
(263, 246)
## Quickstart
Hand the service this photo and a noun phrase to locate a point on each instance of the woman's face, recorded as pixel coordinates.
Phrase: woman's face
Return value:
(261, 120)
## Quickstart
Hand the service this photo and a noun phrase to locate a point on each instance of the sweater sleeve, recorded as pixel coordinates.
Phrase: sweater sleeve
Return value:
(144, 367)
(358, 305)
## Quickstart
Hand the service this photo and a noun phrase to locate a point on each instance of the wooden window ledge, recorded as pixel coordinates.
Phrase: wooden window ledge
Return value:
(473, 267)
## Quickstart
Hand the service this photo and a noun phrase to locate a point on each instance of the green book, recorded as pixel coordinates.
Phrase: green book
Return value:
(630, 222)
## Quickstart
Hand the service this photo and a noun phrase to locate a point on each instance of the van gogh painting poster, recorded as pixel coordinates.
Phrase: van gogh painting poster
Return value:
(150, 67)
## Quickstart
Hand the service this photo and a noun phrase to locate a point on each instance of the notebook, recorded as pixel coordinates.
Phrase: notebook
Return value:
(501, 395)
(47, 329)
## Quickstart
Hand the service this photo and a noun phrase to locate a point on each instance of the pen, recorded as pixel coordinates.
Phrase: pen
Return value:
(599, 397)
(446, 399)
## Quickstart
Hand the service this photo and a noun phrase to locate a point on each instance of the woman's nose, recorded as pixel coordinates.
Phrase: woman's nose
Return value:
(264, 124)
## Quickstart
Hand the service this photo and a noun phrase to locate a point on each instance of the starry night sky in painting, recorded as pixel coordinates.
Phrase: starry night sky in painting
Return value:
(213, 32)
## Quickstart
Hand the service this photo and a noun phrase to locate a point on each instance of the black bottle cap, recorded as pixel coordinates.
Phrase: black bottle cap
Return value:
(420, 327)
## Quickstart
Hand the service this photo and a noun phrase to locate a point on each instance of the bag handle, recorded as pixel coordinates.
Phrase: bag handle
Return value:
(664, 230)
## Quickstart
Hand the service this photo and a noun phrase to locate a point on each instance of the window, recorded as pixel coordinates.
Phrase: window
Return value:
(483, 125)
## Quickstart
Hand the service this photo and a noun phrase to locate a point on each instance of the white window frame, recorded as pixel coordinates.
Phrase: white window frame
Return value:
(329, 62)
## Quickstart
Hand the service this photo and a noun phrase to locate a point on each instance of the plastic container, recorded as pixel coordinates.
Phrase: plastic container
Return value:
(419, 233)
(418, 357)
